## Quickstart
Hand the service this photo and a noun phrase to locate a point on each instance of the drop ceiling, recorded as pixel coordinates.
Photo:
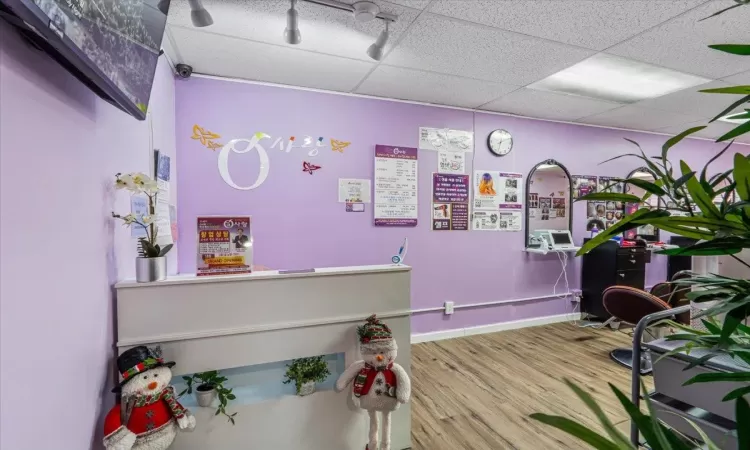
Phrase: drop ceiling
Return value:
(479, 53)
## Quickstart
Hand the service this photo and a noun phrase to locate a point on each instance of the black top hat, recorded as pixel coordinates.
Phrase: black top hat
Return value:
(137, 360)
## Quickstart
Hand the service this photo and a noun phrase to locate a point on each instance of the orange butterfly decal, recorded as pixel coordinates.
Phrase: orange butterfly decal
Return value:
(203, 135)
(213, 145)
(339, 146)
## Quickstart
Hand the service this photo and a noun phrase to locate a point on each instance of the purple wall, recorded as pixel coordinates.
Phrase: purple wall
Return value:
(298, 222)
(60, 147)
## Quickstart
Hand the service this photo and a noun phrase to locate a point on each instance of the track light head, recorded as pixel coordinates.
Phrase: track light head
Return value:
(163, 6)
(291, 32)
(375, 51)
(198, 14)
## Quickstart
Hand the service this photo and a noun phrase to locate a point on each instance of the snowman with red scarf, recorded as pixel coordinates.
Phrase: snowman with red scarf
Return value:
(149, 415)
(380, 385)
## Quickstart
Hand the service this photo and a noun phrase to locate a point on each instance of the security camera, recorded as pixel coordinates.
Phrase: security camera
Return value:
(184, 70)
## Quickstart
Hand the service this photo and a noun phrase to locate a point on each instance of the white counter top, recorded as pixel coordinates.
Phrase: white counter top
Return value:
(265, 275)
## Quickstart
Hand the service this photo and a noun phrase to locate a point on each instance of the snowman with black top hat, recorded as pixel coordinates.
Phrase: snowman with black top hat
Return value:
(149, 415)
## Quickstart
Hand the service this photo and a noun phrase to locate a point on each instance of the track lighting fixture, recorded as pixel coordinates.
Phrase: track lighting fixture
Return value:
(291, 32)
(364, 11)
(376, 50)
(198, 14)
(163, 6)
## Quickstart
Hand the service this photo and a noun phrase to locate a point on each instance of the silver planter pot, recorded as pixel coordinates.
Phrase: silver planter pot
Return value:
(306, 388)
(150, 269)
(205, 398)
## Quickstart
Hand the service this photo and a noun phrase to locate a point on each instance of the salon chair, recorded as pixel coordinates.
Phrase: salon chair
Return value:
(630, 305)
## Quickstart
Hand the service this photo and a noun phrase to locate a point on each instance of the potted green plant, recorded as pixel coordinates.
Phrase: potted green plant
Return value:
(210, 385)
(305, 372)
(722, 228)
(151, 264)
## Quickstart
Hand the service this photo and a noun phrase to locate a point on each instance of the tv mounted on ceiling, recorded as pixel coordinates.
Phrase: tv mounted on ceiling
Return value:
(112, 46)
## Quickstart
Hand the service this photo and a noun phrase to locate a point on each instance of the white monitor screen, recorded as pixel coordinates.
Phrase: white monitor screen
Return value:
(561, 238)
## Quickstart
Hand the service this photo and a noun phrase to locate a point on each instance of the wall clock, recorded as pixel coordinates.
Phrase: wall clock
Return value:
(500, 142)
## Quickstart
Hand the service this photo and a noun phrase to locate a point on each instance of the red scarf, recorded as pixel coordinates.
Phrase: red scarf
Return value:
(366, 376)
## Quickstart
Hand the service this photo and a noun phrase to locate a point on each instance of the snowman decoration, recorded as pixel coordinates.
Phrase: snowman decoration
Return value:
(379, 383)
(149, 415)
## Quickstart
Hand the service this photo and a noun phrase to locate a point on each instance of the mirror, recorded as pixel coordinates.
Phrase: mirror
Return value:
(647, 232)
(549, 196)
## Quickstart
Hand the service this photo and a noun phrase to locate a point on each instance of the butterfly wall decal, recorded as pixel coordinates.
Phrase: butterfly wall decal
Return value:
(309, 167)
(206, 137)
(338, 146)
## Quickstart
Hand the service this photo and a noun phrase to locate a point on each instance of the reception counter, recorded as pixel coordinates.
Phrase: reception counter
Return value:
(249, 327)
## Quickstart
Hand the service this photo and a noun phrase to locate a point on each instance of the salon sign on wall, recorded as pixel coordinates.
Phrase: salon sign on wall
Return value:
(244, 145)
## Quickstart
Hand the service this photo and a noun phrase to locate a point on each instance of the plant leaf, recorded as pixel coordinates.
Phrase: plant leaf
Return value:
(741, 175)
(739, 131)
(575, 429)
(742, 90)
(166, 249)
(700, 197)
(731, 108)
(721, 12)
(737, 393)
(734, 49)
(647, 186)
(604, 196)
(718, 376)
(607, 424)
(675, 139)
(625, 224)
(743, 419)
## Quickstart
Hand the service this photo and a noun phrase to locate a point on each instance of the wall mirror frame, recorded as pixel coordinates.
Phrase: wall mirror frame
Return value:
(650, 236)
(527, 203)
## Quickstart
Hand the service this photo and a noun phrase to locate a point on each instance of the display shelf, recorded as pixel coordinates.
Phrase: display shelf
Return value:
(542, 251)
(263, 382)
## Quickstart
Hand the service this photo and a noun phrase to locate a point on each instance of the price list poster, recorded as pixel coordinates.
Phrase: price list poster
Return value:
(395, 186)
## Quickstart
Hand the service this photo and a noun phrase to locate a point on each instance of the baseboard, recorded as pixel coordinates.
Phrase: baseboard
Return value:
(493, 328)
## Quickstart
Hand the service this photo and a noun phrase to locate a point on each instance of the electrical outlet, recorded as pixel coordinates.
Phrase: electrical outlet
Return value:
(576, 297)
(449, 307)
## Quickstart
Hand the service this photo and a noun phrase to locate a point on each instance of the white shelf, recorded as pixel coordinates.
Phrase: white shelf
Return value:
(543, 251)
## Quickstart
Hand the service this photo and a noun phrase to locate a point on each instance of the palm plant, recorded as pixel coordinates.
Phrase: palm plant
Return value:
(722, 228)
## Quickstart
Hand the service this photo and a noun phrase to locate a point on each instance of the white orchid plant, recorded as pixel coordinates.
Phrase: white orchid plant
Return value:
(140, 183)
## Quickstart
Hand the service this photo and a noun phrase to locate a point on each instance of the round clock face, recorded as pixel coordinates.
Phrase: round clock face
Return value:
(500, 142)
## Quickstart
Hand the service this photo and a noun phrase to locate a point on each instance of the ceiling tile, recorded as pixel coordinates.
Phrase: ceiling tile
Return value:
(440, 44)
(548, 105)
(742, 79)
(595, 24)
(690, 101)
(416, 4)
(636, 118)
(221, 55)
(712, 131)
(430, 87)
(324, 30)
(681, 43)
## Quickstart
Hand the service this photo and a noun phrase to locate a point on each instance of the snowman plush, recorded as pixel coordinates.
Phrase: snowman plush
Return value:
(380, 385)
(149, 415)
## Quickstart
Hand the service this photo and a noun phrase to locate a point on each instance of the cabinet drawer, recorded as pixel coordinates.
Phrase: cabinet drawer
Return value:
(631, 261)
(632, 278)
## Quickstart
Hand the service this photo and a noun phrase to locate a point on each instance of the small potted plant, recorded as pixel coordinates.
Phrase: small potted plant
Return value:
(305, 372)
(209, 386)
(151, 265)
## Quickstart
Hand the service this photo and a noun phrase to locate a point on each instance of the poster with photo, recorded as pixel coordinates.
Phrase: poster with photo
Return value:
(225, 245)
(395, 203)
(509, 220)
(609, 184)
(485, 220)
(583, 185)
(497, 190)
(450, 202)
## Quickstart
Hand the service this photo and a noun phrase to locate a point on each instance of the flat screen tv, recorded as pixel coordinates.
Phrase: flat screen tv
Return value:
(112, 46)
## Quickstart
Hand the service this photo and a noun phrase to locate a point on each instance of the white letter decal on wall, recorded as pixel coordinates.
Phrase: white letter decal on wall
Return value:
(251, 144)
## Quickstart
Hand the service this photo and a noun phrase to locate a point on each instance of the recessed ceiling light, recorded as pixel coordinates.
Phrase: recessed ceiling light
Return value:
(612, 78)
(736, 118)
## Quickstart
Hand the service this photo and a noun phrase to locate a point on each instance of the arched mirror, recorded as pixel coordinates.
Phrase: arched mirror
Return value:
(549, 198)
(647, 232)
